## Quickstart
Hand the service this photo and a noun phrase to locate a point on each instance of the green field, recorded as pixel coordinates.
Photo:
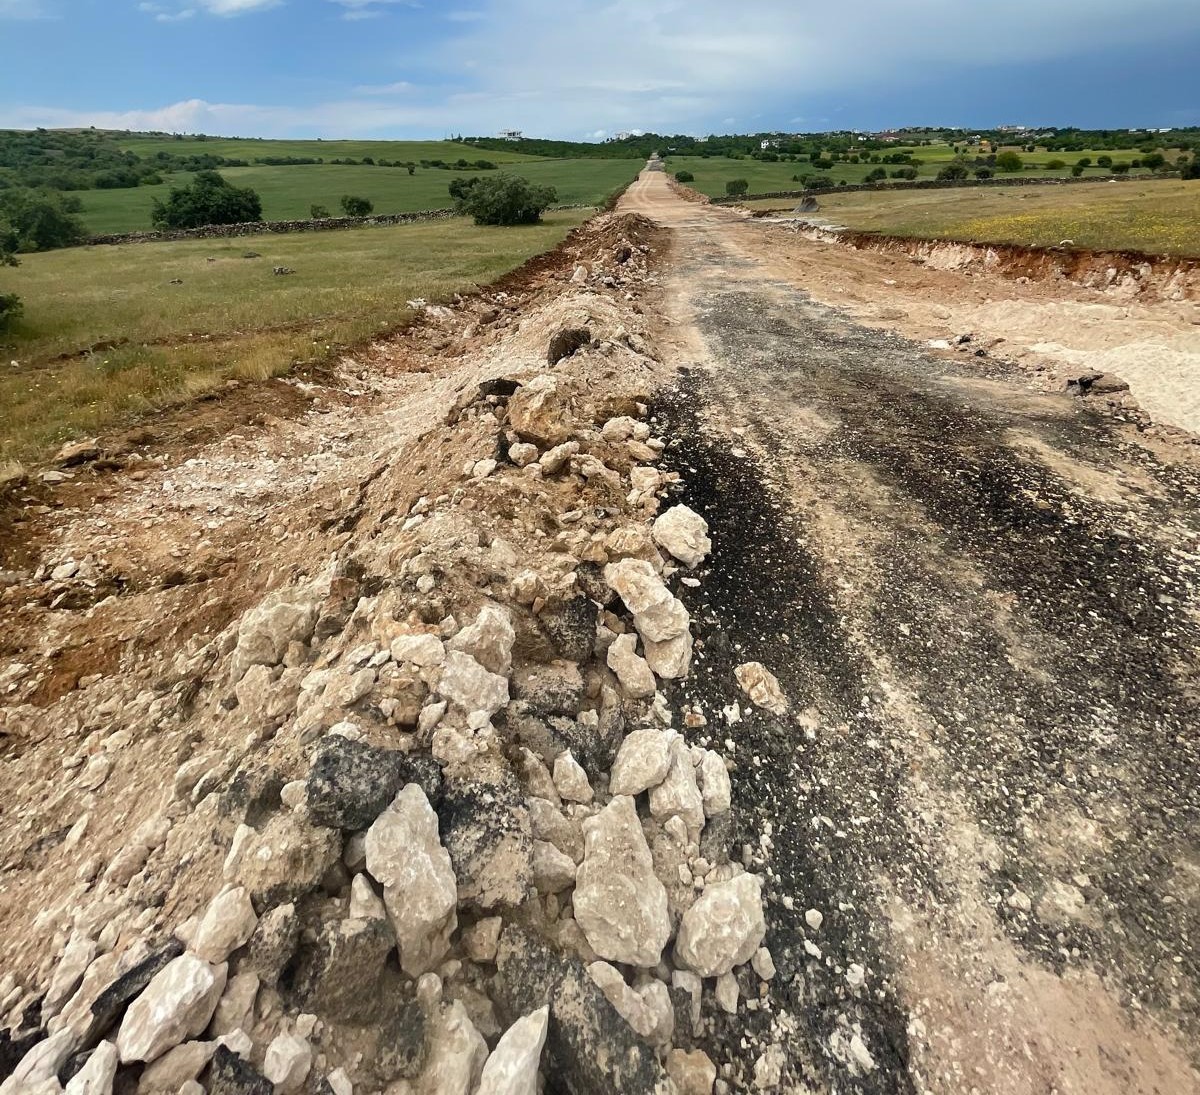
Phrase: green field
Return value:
(288, 192)
(1156, 216)
(249, 148)
(764, 177)
(230, 317)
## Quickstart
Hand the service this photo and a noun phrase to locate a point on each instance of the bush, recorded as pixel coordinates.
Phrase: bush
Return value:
(1121, 168)
(356, 207)
(684, 177)
(1077, 170)
(876, 175)
(32, 220)
(1010, 162)
(1190, 170)
(908, 173)
(1154, 161)
(735, 188)
(460, 188)
(1086, 161)
(10, 308)
(209, 200)
(984, 173)
(318, 212)
(953, 172)
(1055, 165)
(507, 200)
(1104, 161)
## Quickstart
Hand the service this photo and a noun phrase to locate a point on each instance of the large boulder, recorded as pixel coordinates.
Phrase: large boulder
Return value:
(684, 533)
(540, 412)
(512, 1069)
(405, 854)
(619, 902)
(351, 782)
(176, 1006)
(266, 631)
(341, 976)
(227, 924)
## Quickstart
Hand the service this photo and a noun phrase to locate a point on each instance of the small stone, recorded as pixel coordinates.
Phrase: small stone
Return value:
(715, 788)
(1020, 901)
(489, 640)
(95, 772)
(570, 780)
(762, 686)
(480, 939)
(763, 963)
(512, 1069)
(629, 1005)
(235, 1004)
(643, 761)
(421, 650)
(226, 925)
(456, 1057)
(556, 458)
(468, 684)
(405, 854)
(481, 469)
(365, 903)
(684, 533)
(176, 1067)
(768, 1069)
(855, 975)
(553, 871)
(339, 1083)
(634, 673)
(523, 454)
(814, 918)
(176, 1005)
(678, 795)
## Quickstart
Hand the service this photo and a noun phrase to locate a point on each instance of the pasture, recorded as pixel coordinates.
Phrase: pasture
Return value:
(1156, 216)
(230, 316)
(289, 192)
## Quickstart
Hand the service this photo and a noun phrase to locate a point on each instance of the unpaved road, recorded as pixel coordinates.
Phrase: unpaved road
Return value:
(981, 600)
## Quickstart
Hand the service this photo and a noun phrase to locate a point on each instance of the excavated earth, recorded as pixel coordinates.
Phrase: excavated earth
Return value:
(965, 784)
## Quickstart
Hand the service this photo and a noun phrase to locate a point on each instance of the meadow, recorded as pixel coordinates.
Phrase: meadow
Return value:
(1156, 216)
(251, 148)
(713, 173)
(229, 318)
(288, 193)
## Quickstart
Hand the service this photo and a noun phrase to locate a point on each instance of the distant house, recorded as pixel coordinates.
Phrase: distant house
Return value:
(511, 135)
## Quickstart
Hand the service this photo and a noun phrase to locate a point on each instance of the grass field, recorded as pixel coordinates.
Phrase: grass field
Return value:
(288, 192)
(248, 148)
(712, 174)
(1159, 216)
(230, 317)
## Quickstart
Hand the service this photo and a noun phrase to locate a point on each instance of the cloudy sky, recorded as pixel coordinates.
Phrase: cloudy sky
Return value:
(583, 69)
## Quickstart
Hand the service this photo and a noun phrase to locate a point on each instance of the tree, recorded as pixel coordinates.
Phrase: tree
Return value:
(1104, 161)
(735, 188)
(507, 200)
(318, 212)
(32, 220)
(983, 172)
(211, 199)
(1190, 170)
(953, 172)
(356, 207)
(1009, 162)
(1055, 165)
(877, 174)
(684, 177)
(1154, 161)
(1077, 170)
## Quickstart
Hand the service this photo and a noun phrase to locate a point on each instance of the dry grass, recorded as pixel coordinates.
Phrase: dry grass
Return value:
(1158, 217)
(230, 317)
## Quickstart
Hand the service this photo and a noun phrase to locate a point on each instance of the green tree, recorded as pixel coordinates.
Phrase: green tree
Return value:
(459, 188)
(1009, 162)
(34, 220)
(1055, 165)
(318, 212)
(735, 188)
(684, 177)
(1077, 170)
(1191, 170)
(10, 303)
(953, 172)
(877, 174)
(211, 199)
(1104, 161)
(507, 200)
(1154, 161)
(356, 207)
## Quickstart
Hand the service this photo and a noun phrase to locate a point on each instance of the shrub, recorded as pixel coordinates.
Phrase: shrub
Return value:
(1009, 162)
(984, 173)
(735, 188)
(1121, 168)
(1055, 165)
(1077, 170)
(32, 220)
(209, 200)
(1086, 161)
(356, 207)
(1190, 170)
(507, 200)
(1154, 161)
(684, 177)
(876, 175)
(460, 188)
(909, 173)
(412, 168)
(1104, 161)
(953, 172)
(318, 212)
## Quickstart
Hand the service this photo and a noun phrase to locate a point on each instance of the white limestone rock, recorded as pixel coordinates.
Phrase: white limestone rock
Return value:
(287, 1063)
(723, 928)
(404, 854)
(762, 686)
(96, 1076)
(633, 671)
(470, 686)
(227, 923)
(643, 761)
(176, 1005)
(421, 650)
(489, 640)
(236, 1003)
(512, 1069)
(684, 533)
(266, 631)
(619, 902)
(553, 871)
(570, 780)
(176, 1067)
(715, 787)
(364, 901)
(678, 795)
(628, 1004)
(456, 1056)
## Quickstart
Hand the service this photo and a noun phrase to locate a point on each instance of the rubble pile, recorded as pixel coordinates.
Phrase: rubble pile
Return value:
(457, 841)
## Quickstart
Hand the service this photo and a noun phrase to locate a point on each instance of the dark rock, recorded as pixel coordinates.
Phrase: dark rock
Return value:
(500, 386)
(252, 795)
(230, 1074)
(271, 947)
(341, 977)
(554, 689)
(351, 783)
(590, 1049)
(623, 255)
(566, 342)
(110, 1005)
(13, 1048)
(301, 855)
(808, 205)
(570, 625)
(399, 1026)
(1097, 384)
(594, 747)
(484, 824)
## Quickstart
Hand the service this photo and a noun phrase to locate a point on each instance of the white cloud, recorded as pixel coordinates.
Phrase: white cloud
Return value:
(236, 7)
(369, 9)
(22, 9)
(399, 88)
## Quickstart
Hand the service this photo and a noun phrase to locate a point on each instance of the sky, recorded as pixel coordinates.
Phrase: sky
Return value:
(585, 70)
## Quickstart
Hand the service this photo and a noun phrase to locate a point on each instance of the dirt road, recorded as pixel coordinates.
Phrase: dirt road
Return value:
(980, 815)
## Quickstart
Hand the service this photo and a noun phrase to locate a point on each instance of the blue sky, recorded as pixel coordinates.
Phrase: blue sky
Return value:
(576, 69)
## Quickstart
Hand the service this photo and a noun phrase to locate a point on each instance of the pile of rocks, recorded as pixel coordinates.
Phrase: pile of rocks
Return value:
(467, 845)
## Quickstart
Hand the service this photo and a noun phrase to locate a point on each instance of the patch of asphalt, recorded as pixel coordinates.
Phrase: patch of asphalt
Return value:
(1093, 723)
